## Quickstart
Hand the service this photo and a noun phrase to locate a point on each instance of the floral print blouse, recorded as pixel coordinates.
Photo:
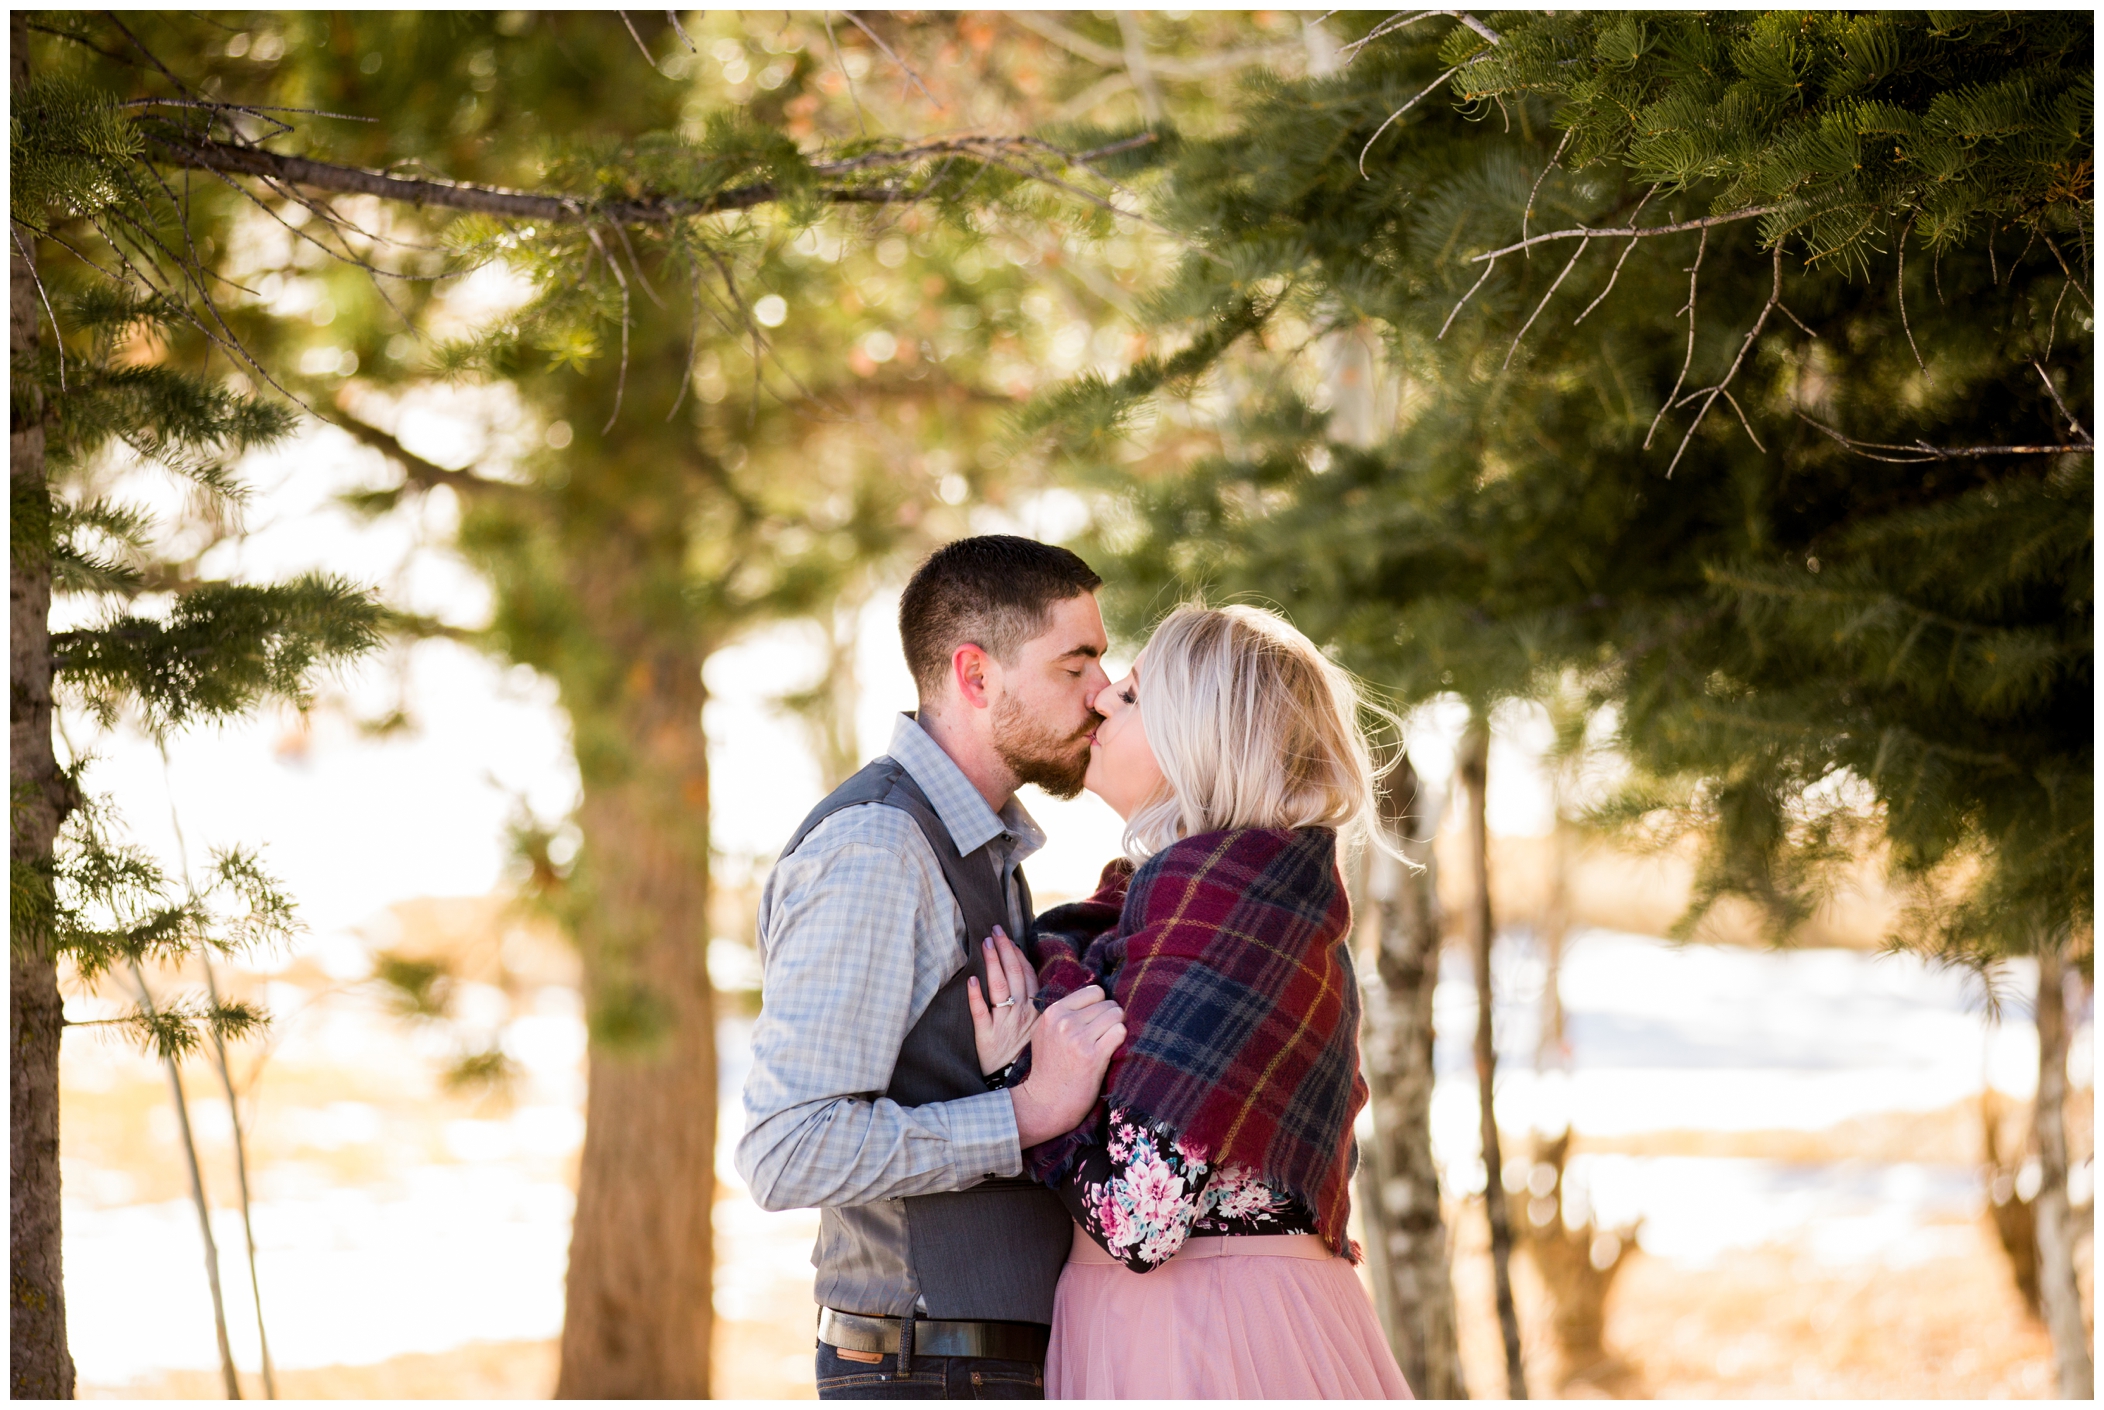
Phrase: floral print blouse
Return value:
(1140, 1192)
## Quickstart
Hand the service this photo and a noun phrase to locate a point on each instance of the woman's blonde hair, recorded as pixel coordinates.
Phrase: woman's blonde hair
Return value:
(1252, 727)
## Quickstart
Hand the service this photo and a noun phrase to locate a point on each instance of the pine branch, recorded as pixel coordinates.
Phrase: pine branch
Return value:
(208, 154)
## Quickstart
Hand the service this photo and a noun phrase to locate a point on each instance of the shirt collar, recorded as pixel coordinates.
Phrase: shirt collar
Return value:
(961, 807)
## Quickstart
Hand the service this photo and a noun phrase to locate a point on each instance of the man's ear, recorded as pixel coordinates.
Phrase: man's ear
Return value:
(973, 675)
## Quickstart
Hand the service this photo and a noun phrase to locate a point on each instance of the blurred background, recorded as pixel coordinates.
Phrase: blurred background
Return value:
(635, 575)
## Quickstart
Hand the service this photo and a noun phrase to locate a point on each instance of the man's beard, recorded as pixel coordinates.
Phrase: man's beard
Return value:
(1036, 753)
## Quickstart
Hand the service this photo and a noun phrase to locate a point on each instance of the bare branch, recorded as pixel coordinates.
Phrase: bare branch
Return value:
(637, 265)
(686, 368)
(672, 17)
(1557, 156)
(1398, 113)
(2054, 392)
(1899, 286)
(834, 44)
(1102, 90)
(1045, 27)
(2064, 266)
(166, 72)
(1399, 21)
(1572, 263)
(1137, 65)
(58, 340)
(892, 54)
(1775, 298)
(260, 110)
(1744, 422)
(1694, 274)
(1583, 232)
(1456, 311)
(1475, 24)
(630, 24)
(1616, 273)
(621, 378)
(1921, 452)
(1785, 308)
(419, 470)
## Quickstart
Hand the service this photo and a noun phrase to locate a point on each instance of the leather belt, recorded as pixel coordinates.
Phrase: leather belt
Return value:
(1001, 1341)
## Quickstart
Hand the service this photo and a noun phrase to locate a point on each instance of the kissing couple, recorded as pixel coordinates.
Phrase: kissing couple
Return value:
(1104, 1152)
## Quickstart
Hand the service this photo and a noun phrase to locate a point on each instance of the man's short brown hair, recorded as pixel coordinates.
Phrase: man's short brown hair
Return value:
(995, 592)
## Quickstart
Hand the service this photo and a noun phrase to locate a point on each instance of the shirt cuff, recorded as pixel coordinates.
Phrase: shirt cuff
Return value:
(983, 1138)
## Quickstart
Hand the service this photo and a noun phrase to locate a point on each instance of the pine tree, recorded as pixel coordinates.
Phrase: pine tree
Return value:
(80, 896)
(1746, 364)
(715, 457)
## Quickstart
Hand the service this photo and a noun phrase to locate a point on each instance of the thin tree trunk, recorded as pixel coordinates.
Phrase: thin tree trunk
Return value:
(639, 1315)
(226, 1082)
(39, 1366)
(248, 1227)
(197, 1197)
(1552, 1052)
(1473, 768)
(1398, 1185)
(828, 708)
(2059, 1295)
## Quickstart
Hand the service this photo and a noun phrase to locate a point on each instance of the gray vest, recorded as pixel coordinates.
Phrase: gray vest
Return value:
(992, 1252)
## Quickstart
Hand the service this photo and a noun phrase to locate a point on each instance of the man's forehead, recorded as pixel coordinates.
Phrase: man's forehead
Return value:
(1074, 628)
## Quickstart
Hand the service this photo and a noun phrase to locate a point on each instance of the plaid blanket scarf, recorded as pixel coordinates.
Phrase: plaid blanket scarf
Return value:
(1230, 953)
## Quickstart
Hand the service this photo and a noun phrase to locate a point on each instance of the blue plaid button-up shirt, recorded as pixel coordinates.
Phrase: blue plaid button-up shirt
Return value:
(858, 930)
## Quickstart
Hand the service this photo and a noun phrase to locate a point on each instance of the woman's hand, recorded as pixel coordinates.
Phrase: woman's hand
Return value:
(1002, 1029)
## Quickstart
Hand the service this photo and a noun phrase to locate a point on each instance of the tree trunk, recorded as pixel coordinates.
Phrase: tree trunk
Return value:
(1552, 1052)
(39, 1365)
(1398, 1184)
(638, 1317)
(1472, 769)
(2059, 1296)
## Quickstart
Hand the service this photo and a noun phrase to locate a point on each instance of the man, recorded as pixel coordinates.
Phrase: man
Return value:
(936, 1258)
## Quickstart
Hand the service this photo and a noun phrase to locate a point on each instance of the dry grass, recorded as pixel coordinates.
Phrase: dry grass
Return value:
(490, 1370)
(1772, 1323)
(1766, 1323)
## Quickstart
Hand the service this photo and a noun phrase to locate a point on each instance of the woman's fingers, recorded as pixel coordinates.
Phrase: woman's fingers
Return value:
(1022, 979)
(982, 1017)
(996, 975)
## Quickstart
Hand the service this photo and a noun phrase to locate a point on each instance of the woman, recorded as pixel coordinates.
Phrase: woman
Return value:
(1210, 1186)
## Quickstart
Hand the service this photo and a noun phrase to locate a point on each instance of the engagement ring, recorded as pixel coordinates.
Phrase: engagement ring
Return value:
(1006, 1004)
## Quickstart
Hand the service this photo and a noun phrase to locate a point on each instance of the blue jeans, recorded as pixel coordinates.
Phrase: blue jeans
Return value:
(932, 1378)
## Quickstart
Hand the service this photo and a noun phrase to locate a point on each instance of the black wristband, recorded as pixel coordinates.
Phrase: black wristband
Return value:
(995, 1081)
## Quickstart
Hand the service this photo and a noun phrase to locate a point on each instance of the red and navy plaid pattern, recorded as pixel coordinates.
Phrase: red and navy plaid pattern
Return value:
(1230, 953)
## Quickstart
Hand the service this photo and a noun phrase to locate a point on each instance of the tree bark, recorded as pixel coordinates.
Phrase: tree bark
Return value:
(1472, 769)
(1398, 1184)
(2059, 1296)
(639, 1315)
(39, 1365)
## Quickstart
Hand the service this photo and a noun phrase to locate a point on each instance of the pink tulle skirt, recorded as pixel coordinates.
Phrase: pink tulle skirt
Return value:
(1253, 1317)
